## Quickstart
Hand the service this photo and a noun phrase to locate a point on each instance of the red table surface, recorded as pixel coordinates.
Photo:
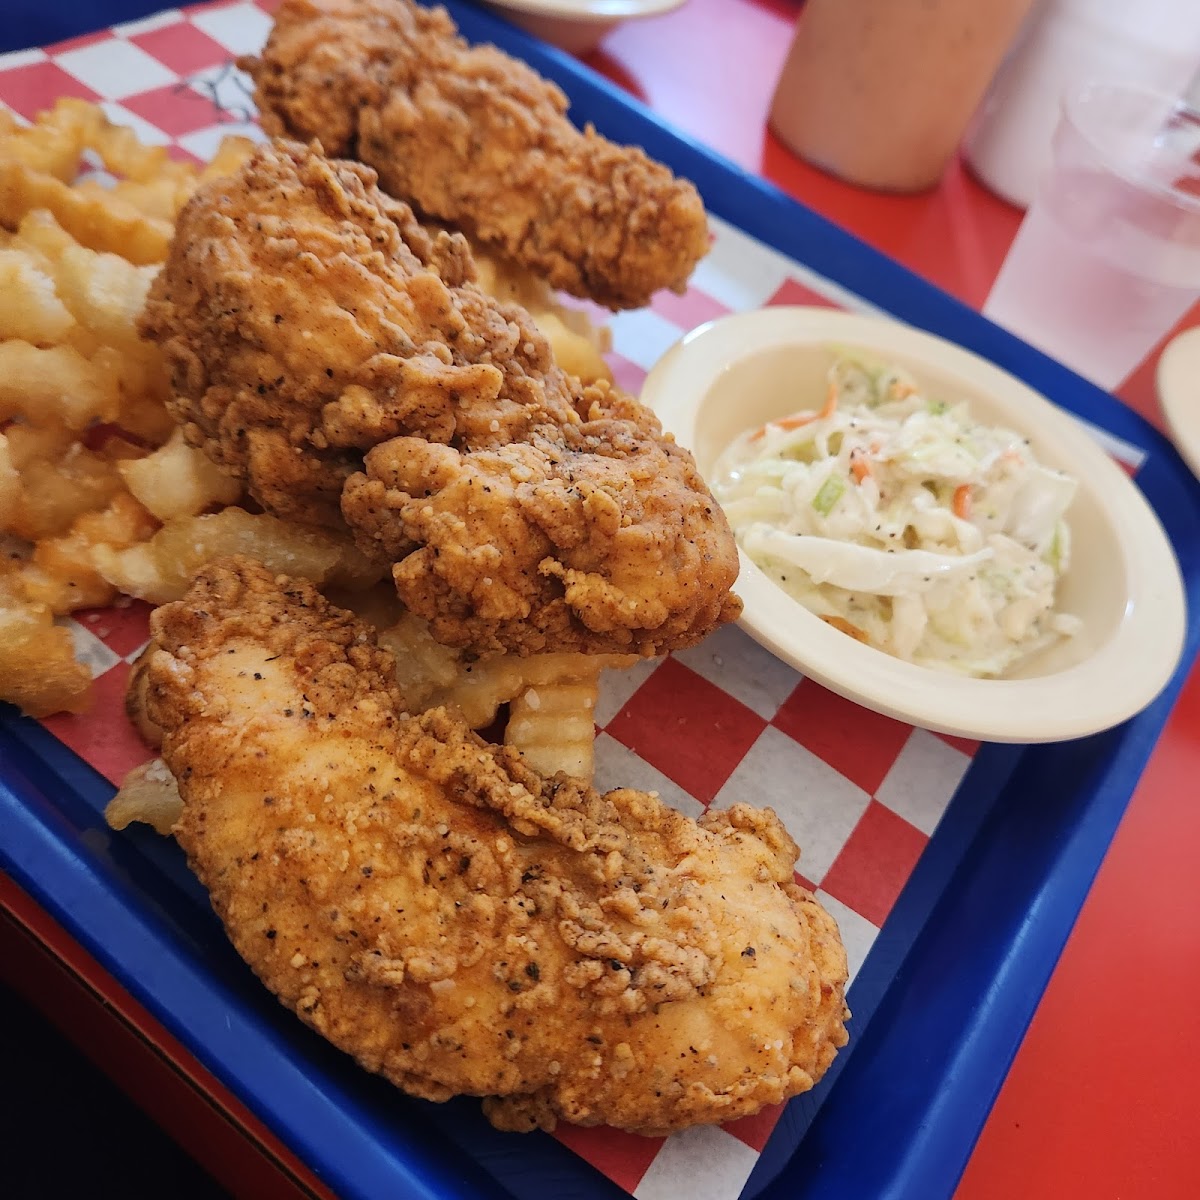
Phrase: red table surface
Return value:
(1098, 1103)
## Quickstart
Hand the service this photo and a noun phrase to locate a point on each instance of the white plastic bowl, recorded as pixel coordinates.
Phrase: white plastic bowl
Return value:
(1178, 379)
(735, 373)
(577, 26)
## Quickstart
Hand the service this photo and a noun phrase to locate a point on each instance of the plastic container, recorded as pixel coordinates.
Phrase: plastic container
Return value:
(1107, 259)
(1064, 45)
(879, 92)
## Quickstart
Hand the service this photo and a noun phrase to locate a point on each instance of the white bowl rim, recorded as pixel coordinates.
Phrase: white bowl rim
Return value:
(1177, 379)
(1118, 680)
(590, 10)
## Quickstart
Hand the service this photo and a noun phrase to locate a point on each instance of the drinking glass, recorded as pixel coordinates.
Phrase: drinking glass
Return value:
(1107, 258)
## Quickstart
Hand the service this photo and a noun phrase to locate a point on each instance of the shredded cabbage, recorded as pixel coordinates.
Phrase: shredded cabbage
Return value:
(903, 521)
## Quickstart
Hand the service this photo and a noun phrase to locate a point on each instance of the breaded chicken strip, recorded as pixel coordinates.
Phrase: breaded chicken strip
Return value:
(306, 317)
(596, 536)
(313, 329)
(471, 136)
(460, 924)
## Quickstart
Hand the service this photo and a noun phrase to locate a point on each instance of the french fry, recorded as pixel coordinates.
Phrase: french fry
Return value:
(98, 221)
(10, 483)
(62, 574)
(551, 697)
(53, 384)
(41, 237)
(52, 492)
(76, 259)
(160, 569)
(104, 292)
(30, 310)
(142, 412)
(231, 154)
(178, 480)
(123, 153)
(552, 725)
(54, 144)
(38, 670)
(424, 667)
(479, 691)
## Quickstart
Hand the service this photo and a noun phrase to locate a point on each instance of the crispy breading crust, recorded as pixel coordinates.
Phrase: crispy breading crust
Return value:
(460, 924)
(474, 137)
(306, 317)
(592, 536)
(324, 347)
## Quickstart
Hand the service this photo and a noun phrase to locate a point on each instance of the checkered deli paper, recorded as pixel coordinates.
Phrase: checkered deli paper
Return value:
(860, 792)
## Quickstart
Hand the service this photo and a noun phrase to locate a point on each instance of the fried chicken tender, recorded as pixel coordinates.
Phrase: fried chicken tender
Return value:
(473, 137)
(460, 924)
(324, 346)
(307, 317)
(598, 536)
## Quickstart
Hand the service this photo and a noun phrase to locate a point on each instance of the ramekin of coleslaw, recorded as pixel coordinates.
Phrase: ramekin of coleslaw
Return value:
(921, 531)
(903, 521)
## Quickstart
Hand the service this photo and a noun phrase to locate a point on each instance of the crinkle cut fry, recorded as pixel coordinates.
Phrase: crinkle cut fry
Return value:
(471, 136)
(82, 398)
(457, 922)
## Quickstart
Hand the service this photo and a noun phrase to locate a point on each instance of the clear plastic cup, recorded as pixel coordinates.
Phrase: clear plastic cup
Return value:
(1108, 256)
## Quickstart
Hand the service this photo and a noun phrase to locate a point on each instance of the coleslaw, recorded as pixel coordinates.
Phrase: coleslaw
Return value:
(905, 523)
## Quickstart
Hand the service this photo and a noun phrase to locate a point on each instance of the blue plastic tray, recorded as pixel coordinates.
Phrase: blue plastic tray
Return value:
(950, 984)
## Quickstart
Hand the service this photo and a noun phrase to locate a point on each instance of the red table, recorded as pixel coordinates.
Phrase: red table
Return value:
(1098, 1103)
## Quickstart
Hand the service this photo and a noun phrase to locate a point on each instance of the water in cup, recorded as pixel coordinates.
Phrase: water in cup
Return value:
(1103, 292)
(1108, 257)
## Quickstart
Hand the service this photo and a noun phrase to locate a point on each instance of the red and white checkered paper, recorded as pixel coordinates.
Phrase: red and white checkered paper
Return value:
(725, 721)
